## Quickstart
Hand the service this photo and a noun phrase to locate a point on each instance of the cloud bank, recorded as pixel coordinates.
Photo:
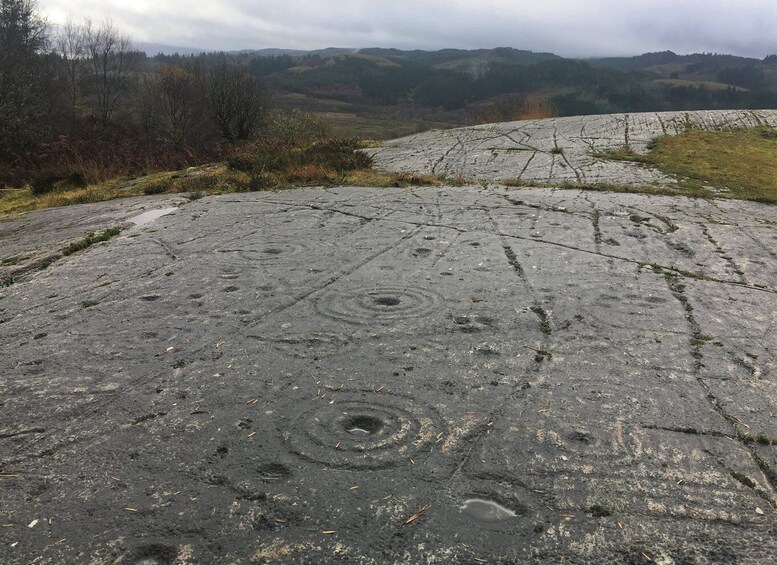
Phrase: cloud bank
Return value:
(565, 27)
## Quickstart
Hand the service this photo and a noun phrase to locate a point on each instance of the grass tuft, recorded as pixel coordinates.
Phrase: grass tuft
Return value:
(90, 240)
(543, 317)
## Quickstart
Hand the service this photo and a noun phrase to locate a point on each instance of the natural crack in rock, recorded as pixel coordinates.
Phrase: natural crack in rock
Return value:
(553, 150)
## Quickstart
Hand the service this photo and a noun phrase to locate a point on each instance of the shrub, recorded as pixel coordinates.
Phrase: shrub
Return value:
(199, 183)
(258, 182)
(157, 188)
(261, 156)
(43, 182)
(766, 132)
(508, 109)
(338, 155)
(48, 180)
(296, 127)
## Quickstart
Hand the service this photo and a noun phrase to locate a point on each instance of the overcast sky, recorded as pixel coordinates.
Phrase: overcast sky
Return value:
(565, 27)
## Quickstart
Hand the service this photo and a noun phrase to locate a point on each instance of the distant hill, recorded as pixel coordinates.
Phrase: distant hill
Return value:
(453, 58)
(456, 79)
(742, 72)
(328, 52)
(373, 89)
(152, 49)
(663, 58)
(450, 78)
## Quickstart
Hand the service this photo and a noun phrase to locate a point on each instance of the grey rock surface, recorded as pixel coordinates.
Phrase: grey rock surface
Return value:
(552, 150)
(334, 376)
(30, 241)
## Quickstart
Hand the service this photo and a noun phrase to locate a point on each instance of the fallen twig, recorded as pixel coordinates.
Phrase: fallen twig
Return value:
(417, 515)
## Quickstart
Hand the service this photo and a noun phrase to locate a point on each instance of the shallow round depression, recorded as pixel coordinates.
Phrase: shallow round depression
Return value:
(377, 304)
(362, 425)
(363, 430)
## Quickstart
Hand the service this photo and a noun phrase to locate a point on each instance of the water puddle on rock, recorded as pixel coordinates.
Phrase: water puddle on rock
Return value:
(363, 425)
(486, 511)
(151, 215)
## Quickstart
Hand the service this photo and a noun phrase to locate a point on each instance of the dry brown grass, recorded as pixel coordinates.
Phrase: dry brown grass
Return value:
(212, 180)
(525, 107)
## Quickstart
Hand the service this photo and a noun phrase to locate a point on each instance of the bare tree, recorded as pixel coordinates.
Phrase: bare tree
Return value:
(179, 104)
(70, 44)
(111, 62)
(174, 107)
(23, 35)
(150, 119)
(238, 100)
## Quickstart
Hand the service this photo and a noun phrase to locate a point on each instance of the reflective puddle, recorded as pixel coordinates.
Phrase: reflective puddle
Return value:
(151, 215)
(486, 511)
(363, 425)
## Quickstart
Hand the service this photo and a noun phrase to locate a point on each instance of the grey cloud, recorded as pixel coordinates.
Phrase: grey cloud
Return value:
(565, 27)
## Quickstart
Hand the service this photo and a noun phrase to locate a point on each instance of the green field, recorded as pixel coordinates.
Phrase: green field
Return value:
(738, 163)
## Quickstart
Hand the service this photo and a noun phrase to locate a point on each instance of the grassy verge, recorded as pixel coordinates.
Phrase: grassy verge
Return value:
(264, 165)
(738, 163)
